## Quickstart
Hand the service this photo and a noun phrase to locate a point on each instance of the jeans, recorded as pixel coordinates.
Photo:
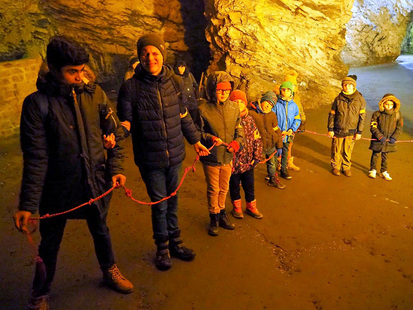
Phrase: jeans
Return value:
(160, 183)
(284, 156)
(375, 157)
(51, 232)
(272, 163)
(246, 179)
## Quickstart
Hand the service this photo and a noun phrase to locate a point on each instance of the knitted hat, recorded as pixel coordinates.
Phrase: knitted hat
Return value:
(288, 85)
(269, 96)
(238, 95)
(62, 51)
(351, 79)
(154, 40)
(224, 85)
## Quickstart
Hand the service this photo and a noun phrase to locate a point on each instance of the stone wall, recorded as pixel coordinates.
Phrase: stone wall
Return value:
(18, 79)
(376, 31)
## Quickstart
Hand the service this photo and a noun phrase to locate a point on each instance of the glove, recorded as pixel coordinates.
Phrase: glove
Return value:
(235, 145)
(279, 152)
(392, 140)
(302, 127)
(383, 139)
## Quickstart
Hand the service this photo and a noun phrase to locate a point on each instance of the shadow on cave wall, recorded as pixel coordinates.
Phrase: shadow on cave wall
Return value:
(198, 55)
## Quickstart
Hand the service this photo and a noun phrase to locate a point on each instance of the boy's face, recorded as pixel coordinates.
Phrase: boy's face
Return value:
(348, 88)
(266, 107)
(72, 74)
(388, 105)
(286, 92)
(181, 69)
(222, 94)
(151, 59)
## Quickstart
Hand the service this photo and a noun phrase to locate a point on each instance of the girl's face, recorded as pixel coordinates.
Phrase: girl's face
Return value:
(266, 107)
(242, 107)
(388, 105)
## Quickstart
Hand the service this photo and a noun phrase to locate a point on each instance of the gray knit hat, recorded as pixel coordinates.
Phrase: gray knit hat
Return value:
(154, 40)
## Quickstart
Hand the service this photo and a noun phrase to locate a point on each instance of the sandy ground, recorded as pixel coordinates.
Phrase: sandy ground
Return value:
(325, 242)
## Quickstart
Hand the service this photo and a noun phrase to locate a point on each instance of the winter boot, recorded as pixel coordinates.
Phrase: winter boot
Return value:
(177, 248)
(38, 303)
(285, 175)
(116, 281)
(237, 211)
(163, 259)
(275, 182)
(213, 225)
(252, 209)
(291, 165)
(224, 221)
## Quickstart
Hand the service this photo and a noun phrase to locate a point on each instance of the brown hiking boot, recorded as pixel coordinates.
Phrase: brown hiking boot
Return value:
(39, 303)
(237, 211)
(347, 173)
(116, 281)
(252, 210)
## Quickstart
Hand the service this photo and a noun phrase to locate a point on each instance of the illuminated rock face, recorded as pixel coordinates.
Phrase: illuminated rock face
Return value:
(259, 42)
(376, 31)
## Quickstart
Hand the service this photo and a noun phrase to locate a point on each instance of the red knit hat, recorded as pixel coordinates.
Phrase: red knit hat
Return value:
(224, 85)
(238, 95)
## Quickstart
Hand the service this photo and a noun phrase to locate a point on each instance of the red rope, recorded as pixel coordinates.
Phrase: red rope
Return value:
(367, 139)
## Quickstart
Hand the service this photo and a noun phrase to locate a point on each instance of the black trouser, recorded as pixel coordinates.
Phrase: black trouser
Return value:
(247, 180)
(375, 156)
(51, 232)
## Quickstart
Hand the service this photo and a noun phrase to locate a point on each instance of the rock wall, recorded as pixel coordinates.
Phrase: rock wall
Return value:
(259, 42)
(376, 31)
(18, 79)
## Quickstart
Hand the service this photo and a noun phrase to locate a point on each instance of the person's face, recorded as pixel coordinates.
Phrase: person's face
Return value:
(72, 74)
(181, 69)
(152, 59)
(242, 107)
(388, 105)
(222, 94)
(348, 88)
(286, 92)
(266, 107)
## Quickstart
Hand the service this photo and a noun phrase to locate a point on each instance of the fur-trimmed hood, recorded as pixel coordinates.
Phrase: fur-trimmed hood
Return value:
(390, 97)
(212, 81)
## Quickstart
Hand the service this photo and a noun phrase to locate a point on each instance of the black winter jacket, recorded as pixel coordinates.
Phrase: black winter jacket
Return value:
(347, 115)
(65, 162)
(159, 120)
(387, 124)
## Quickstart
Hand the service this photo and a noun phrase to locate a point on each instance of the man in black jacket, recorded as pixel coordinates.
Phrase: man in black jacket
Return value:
(61, 132)
(152, 107)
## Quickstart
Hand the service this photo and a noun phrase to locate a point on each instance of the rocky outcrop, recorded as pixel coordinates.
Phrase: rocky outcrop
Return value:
(259, 42)
(376, 31)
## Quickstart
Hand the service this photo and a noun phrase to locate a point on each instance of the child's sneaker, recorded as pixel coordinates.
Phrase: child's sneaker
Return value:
(39, 303)
(386, 176)
(372, 173)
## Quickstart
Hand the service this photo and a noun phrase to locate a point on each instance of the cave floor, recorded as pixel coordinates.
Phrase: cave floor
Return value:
(325, 242)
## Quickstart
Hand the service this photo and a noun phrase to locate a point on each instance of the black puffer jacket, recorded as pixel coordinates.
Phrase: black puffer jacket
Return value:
(387, 124)
(221, 120)
(65, 162)
(159, 120)
(347, 115)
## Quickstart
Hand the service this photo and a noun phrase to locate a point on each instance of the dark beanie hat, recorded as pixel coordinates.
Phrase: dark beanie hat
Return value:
(154, 40)
(351, 79)
(269, 96)
(287, 84)
(62, 51)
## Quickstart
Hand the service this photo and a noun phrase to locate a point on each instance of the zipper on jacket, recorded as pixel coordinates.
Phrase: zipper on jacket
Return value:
(163, 119)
